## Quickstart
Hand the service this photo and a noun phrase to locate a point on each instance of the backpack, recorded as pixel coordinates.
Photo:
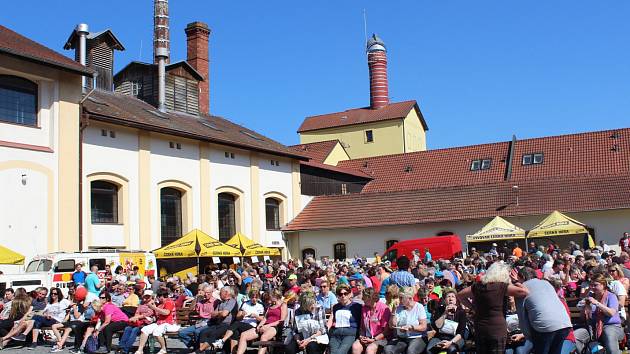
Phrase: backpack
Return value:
(91, 345)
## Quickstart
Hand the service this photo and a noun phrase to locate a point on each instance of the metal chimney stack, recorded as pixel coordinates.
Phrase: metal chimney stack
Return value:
(82, 31)
(161, 47)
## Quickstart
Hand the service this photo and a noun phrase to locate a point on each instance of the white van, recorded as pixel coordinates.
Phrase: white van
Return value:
(55, 269)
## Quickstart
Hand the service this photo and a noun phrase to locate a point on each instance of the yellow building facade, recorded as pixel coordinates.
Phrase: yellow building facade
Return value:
(374, 138)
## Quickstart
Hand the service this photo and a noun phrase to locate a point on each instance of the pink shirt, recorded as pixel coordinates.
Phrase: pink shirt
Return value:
(205, 308)
(112, 310)
(375, 318)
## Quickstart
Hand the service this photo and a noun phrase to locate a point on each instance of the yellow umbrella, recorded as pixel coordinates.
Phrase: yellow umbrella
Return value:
(196, 244)
(497, 229)
(251, 248)
(8, 256)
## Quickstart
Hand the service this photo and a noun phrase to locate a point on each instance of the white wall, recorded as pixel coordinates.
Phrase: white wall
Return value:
(274, 179)
(607, 225)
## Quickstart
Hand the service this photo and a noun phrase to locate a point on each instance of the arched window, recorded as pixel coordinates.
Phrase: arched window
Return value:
(170, 214)
(104, 202)
(390, 243)
(18, 100)
(272, 213)
(308, 252)
(339, 251)
(227, 216)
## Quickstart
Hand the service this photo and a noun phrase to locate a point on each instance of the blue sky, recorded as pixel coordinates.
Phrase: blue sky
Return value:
(480, 70)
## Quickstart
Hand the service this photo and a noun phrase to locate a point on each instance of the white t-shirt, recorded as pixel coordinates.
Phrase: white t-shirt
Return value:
(58, 310)
(250, 309)
(618, 289)
(411, 317)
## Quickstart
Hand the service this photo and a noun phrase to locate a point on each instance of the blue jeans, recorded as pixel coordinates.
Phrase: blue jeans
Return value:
(523, 348)
(341, 340)
(190, 334)
(549, 342)
(128, 338)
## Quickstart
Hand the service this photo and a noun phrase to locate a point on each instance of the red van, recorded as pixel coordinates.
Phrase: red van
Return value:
(440, 247)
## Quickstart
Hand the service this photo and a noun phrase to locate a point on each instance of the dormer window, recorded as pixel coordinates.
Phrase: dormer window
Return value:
(480, 164)
(18, 100)
(533, 159)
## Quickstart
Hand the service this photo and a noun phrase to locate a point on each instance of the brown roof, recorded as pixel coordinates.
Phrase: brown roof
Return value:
(121, 109)
(318, 151)
(584, 154)
(537, 197)
(432, 168)
(363, 115)
(14, 44)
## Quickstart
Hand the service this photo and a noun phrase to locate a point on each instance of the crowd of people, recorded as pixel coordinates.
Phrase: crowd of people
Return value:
(504, 300)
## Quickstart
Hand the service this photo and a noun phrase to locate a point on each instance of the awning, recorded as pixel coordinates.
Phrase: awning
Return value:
(497, 229)
(251, 248)
(557, 224)
(195, 241)
(8, 256)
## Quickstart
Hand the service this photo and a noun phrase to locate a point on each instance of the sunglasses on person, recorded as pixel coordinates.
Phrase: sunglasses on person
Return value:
(102, 297)
(344, 293)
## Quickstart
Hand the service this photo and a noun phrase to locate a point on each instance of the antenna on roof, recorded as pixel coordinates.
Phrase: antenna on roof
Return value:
(140, 56)
(365, 25)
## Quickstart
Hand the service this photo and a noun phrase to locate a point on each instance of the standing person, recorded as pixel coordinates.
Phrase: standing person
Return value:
(92, 282)
(165, 313)
(410, 324)
(326, 298)
(416, 256)
(600, 311)
(488, 302)
(402, 277)
(517, 251)
(344, 322)
(542, 315)
(375, 317)
(624, 242)
(78, 277)
(427, 256)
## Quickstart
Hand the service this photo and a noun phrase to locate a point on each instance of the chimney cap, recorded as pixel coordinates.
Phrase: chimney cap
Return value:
(197, 25)
(82, 28)
(375, 44)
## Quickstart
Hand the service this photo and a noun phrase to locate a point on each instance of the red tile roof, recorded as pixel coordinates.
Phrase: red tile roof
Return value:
(15, 44)
(584, 154)
(347, 171)
(432, 168)
(536, 197)
(363, 115)
(316, 151)
(126, 110)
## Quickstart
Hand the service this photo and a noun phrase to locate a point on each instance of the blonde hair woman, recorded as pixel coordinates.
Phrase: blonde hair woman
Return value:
(487, 298)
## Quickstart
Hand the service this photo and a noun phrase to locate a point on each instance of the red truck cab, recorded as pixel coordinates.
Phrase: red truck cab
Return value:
(440, 247)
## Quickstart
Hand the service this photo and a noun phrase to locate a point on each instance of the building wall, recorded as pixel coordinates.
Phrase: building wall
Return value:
(388, 138)
(143, 163)
(607, 225)
(415, 136)
(38, 166)
(337, 154)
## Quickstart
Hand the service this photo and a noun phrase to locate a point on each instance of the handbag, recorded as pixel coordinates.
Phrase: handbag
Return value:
(322, 339)
(91, 345)
(449, 327)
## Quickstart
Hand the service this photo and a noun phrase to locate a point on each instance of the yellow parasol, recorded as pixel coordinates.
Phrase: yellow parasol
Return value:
(497, 229)
(251, 248)
(8, 256)
(196, 244)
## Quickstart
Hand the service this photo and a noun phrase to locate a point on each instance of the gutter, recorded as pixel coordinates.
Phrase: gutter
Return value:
(83, 123)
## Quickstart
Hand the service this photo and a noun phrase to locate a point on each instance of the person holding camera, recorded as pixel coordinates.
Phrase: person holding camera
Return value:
(449, 323)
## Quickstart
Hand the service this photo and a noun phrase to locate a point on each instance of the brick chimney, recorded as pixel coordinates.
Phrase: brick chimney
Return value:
(377, 62)
(161, 31)
(197, 34)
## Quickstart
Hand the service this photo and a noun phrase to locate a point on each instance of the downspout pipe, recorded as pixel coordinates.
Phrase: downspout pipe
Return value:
(83, 123)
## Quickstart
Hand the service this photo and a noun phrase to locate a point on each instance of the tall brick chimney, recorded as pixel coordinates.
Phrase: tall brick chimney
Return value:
(161, 31)
(197, 34)
(377, 62)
